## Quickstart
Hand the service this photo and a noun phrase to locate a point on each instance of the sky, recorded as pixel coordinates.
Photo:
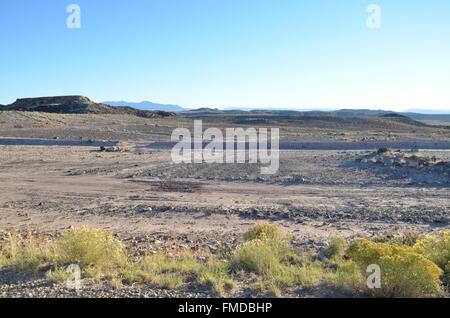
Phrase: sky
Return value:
(230, 53)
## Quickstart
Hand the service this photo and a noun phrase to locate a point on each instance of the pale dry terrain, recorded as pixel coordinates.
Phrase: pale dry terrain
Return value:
(51, 187)
(51, 179)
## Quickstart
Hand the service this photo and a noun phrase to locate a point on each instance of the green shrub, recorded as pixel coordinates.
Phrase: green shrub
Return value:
(263, 230)
(5, 259)
(57, 275)
(257, 256)
(273, 237)
(408, 239)
(274, 268)
(337, 248)
(350, 278)
(404, 273)
(447, 275)
(87, 247)
(265, 248)
(268, 253)
(27, 256)
(382, 239)
(216, 275)
(436, 248)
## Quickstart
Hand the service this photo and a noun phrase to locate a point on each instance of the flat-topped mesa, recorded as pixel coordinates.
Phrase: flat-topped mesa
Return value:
(76, 105)
(58, 104)
(52, 100)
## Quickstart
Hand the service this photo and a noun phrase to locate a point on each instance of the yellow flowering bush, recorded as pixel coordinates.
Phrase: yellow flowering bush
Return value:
(404, 273)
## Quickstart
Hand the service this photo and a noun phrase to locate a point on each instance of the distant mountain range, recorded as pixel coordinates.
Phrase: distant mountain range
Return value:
(146, 105)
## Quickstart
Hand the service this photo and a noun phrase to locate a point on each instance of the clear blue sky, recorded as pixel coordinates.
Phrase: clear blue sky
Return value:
(230, 53)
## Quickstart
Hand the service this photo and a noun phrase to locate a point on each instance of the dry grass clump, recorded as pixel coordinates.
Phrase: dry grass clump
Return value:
(264, 230)
(405, 239)
(90, 247)
(336, 249)
(165, 271)
(27, 256)
(57, 275)
(408, 238)
(258, 256)
(267, 252)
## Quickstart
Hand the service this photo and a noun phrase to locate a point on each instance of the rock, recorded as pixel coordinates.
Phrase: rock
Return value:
(321, 255)
(443, 220)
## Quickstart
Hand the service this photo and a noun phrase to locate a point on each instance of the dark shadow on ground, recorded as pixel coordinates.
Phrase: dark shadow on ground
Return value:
(53, 142)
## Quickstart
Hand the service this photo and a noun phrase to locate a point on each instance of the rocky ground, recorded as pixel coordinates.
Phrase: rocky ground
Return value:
(62, 180)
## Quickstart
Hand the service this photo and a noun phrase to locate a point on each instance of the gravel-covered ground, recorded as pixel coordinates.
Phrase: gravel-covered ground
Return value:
(51, 184)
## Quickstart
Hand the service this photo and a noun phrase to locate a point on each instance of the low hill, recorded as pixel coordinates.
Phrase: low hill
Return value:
(76, 105)
(435, 116)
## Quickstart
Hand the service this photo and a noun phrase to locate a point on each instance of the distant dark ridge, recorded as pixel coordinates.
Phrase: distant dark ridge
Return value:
(206, 109)
(421, 115)
(317, 119)
(77, 105)
(394, 115)
(403, 119)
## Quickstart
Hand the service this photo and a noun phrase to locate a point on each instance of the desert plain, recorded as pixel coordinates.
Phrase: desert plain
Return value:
(355, 176)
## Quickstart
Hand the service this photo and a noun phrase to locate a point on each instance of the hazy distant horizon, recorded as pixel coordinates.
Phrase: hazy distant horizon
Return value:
(430, 110)
(423, 111)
